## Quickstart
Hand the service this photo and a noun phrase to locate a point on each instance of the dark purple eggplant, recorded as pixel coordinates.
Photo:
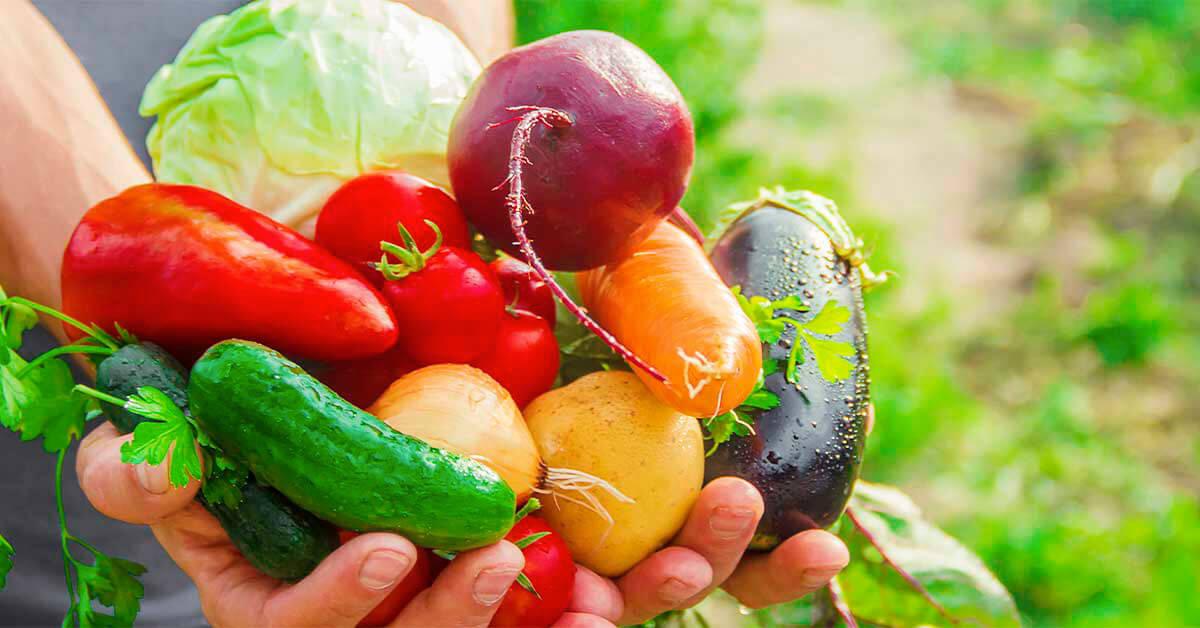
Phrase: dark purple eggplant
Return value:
(804, 454)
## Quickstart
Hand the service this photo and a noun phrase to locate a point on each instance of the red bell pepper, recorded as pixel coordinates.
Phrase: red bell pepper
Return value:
(185, 267)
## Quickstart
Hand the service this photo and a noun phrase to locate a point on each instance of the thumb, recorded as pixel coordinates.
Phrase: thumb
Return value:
(346, 586)
(139, 494)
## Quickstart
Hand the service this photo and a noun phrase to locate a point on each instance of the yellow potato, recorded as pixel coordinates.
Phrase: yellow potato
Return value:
(610, 425)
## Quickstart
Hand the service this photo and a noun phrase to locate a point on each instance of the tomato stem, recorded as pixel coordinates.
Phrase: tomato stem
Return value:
(412, 258)
(528, 118)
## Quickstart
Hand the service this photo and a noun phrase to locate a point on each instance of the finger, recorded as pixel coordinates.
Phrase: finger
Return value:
(346, 586)
(870, 418)
(663, 582)
(801, 565)
(720, 527)
(596, 595)
(140, 494)
(469, 591)
(582, 620)
(232, 591)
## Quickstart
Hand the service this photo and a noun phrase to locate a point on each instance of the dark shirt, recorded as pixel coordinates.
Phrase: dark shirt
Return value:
(121, 43)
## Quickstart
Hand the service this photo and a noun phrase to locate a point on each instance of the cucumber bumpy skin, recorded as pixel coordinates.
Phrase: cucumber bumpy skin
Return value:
(275, 535)
(338, 461)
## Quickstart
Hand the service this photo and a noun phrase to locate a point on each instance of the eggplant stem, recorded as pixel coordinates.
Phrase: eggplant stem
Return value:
(909, 578)
(517, 205)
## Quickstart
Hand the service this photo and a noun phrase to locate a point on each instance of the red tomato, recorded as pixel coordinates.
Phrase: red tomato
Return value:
(448, 311)
(362, 381)
(416, 581)
(525, 357)
(367, 208)
(523, 289)
(550, 570)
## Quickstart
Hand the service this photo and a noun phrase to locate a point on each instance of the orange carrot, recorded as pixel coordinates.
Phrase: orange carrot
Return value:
(668, 305)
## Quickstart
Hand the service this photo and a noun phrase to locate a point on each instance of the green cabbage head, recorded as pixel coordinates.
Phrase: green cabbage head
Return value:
(279, 102)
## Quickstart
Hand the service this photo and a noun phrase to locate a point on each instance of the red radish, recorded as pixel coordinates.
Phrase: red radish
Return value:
(524, 359)
(417, 580)
(448, 302)
(600, 152)
(366, 209)
(550, 571)
(362, 381)
(523, 289)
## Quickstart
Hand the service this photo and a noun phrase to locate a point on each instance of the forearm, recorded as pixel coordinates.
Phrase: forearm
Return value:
(61, 152)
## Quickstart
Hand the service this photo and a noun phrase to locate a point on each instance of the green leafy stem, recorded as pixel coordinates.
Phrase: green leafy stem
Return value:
(40, 400)
(6, 559)
(830, 356)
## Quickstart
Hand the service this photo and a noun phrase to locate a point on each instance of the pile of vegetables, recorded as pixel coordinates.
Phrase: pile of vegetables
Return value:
(436, 399)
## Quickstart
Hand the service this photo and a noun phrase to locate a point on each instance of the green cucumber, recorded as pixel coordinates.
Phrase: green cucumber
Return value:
(136, 365)
(339, 462)
(278, 537)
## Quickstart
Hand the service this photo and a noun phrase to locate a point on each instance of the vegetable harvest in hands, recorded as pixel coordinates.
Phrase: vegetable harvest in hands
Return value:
(568, 154)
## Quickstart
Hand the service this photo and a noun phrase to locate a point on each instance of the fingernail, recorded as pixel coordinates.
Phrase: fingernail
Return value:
(675, 591)
(727, 523)
(492, 584)
(383, 568)
(816, 577)
(154, 480)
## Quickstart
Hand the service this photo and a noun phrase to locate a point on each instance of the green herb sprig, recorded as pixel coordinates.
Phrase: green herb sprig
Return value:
(771, 322)
(40, 400)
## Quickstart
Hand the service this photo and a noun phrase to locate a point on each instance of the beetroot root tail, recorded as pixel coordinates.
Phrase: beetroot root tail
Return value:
(527, 118)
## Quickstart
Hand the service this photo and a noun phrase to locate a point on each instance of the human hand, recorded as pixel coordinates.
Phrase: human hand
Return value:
(708, 553)
(346, 586)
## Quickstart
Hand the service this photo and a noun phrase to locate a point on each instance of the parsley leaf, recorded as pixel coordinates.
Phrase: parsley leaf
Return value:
(762, 399)
(36, 398)
(114, 583)
(762, 313)
(6, 562)
(830, 320)
(14, 396)
(54, 412)
(225, 480)
(167, 432)
(830, 356)
(18, 319)
(771, 323)
(723, 427)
